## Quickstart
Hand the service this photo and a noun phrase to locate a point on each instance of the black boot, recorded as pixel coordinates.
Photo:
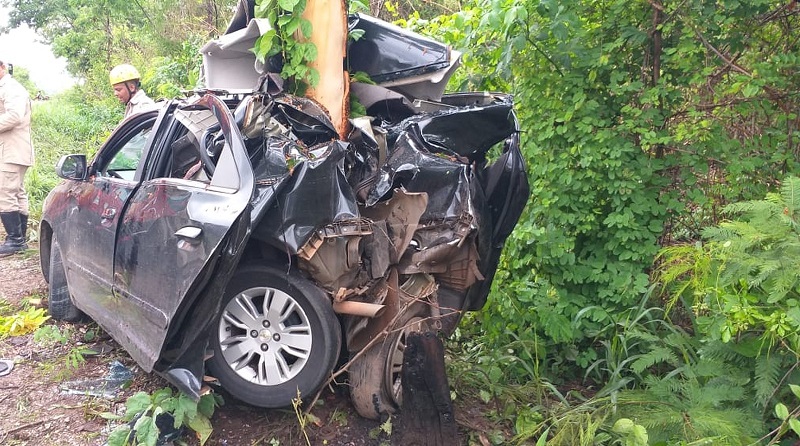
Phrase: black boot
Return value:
(14, 241)
(23, 226)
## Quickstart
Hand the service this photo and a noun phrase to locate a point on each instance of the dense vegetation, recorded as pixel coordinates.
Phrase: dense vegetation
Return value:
(651, 292)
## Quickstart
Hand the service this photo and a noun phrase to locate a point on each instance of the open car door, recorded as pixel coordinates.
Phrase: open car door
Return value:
(174, 227)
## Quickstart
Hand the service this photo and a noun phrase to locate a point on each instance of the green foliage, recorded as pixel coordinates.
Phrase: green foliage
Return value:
(95, 36)
(789, 421)
(144, 414)
(638, 124)
(289, 39)
(23, 322)
(49, 335)
(169, 76)
(639, 343)
(23, 77)
(402, 9)
(701, 401)
(746, 277)
(67, 123)
(632, 434)
(303, 418)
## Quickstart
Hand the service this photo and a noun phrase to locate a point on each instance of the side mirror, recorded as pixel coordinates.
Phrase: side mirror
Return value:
(72, 167)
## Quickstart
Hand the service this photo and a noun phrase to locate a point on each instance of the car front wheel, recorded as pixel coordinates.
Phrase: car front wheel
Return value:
(276, 337)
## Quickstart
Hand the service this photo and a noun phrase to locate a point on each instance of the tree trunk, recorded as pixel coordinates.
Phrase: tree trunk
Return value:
(427, 417)
(329, 33)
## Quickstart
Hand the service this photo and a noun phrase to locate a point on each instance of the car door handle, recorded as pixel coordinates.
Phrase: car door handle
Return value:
(189, 232)
(108, 213)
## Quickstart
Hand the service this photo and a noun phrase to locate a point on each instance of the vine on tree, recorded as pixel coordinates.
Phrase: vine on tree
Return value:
(288, 39)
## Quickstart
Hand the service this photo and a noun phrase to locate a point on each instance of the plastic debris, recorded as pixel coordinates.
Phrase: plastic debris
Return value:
(6, 365)
(107, 387)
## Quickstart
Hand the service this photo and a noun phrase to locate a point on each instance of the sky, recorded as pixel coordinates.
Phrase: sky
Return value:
(22, 47)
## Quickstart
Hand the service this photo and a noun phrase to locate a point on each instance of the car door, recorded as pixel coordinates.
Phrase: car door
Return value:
(170, 233)
(88, 235)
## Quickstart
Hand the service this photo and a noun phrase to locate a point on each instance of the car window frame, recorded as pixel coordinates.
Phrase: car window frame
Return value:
(122, 135)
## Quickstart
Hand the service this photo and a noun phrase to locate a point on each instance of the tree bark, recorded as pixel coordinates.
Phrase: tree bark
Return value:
(426, 417)
(329, 33)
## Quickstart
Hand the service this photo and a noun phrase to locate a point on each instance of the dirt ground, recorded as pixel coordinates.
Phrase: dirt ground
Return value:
(34, 409)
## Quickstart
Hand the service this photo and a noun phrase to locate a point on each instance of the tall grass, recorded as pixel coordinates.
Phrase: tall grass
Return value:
(68, 123)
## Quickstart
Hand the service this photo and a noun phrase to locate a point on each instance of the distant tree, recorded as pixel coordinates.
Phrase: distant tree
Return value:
(93, 36)
(22, 76)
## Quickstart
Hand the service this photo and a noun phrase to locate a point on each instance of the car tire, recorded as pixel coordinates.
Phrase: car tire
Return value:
(58, 301)
(252, 359)
(375, 374)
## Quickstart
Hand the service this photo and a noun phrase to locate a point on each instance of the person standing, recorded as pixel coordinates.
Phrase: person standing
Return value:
(125, 80)
(16, 156)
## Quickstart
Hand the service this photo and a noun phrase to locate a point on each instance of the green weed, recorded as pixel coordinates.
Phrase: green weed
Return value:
(23, 322)
(145, 416)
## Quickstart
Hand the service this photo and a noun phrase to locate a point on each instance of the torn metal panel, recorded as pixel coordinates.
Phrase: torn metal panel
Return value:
(229, 62)
(368, 152)
(446, 250)
(317, 194)
(401, 215)
(399, 59)
(308, 120)
(382, 102)
(468, 130)
(387, 52)
(411, 166)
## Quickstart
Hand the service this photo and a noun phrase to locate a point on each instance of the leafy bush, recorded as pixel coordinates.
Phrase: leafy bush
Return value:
(637, 131)
(746, 278)
(22, 322)
(67, 123)
(151, 417)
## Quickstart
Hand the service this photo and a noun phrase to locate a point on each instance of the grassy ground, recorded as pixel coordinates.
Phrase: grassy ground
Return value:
(64, 125)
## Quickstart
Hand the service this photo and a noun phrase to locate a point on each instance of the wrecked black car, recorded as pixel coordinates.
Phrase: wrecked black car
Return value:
(234, 234)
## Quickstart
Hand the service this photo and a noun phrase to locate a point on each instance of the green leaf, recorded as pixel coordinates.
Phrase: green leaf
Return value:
(781, 411)
(284, 19)
(623, 426)
(293, 24)
(207, 405)
(795, 425)
(202, 426)
(306, 27)
(160, 395)
(639, 436)
(750, 90)
(136, 404)
(185, 409)
(310, 52)
(146, 431)
(313, 77)
(263, 8)
(795, 389)
(542, 441)
(354, 35)
(119, 437)
(110, 416)
(287, 5)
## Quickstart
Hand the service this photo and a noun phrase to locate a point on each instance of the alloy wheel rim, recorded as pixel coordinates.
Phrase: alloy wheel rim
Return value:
(394, 362)
(265, 336)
